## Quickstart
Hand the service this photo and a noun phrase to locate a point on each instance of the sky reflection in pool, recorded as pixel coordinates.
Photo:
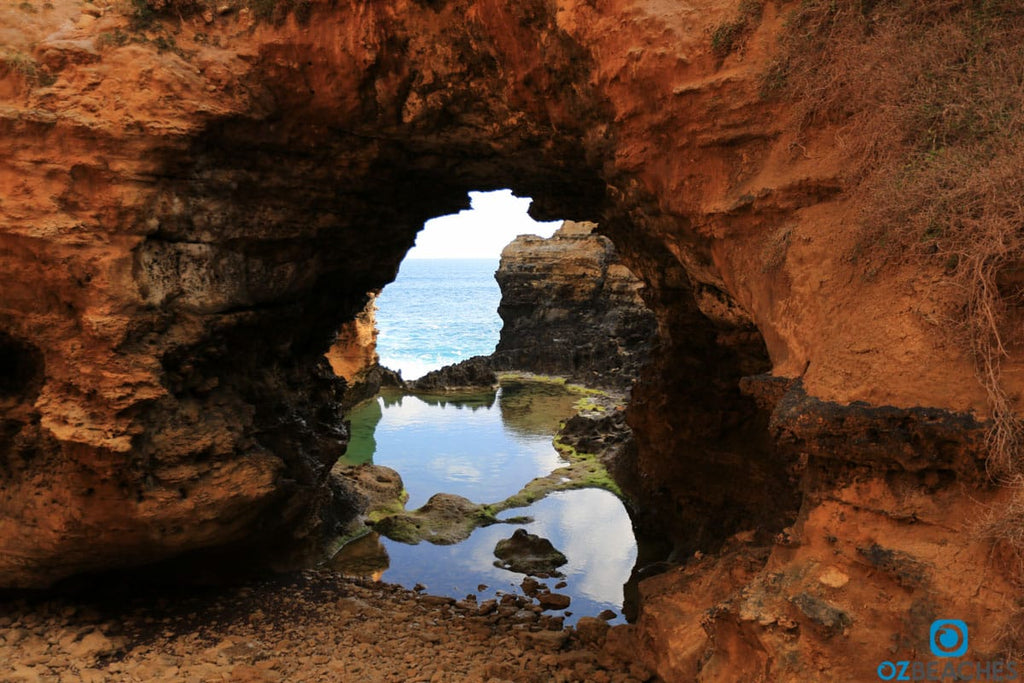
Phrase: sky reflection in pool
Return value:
(485, 449)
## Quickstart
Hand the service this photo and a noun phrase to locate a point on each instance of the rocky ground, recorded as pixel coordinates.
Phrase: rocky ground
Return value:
(311, 626)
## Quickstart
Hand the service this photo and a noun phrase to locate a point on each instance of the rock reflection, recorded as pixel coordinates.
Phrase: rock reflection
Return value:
(365, 557)
(462, 445)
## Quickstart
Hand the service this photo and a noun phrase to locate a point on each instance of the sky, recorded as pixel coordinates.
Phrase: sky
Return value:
(495, 219)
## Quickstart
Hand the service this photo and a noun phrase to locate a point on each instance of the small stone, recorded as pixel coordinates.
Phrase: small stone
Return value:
(208, 16)
(543, 640)
(524, 616)
(607, 615)
(833, 578)
(92, 645)
(553, 600)
(224, 9)
(592, 630)
(92, 10)
(437, 600)
(92, 676)
(253, 674)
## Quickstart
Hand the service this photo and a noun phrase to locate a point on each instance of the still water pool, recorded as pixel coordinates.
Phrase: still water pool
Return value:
(485, 447)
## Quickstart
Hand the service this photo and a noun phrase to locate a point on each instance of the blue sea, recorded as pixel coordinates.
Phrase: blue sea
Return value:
(438, 312)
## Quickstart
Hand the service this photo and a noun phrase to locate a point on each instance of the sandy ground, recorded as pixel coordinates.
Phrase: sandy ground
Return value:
(310, 626)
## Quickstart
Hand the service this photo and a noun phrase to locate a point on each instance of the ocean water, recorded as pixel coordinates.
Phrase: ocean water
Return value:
(438, 312)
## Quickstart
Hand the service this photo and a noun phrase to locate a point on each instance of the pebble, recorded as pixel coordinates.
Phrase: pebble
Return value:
(553, 600)
(311, 626)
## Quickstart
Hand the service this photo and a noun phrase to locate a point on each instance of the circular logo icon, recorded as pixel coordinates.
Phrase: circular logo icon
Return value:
(948, 638)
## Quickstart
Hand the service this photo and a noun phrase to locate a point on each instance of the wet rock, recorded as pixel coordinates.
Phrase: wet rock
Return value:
(527, 553)
(382, 486)
(553, 600)
(524, 616)
(445, 519)
(473, 373)
(437, 600)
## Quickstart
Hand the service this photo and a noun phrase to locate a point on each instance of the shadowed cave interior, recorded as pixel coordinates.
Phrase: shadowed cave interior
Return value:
(307, 237)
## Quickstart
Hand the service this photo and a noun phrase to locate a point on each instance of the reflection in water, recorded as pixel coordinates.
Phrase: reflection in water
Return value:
(365, 557)
(440, 446)
(443, 444)
(535, 408)
(590, 526)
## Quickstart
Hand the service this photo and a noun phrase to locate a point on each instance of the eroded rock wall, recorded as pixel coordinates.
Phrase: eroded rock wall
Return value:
(193, 203)
(191, 211)
(354, 350)
(569, 307)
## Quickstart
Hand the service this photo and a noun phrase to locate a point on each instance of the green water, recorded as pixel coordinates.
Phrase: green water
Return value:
(485, 447)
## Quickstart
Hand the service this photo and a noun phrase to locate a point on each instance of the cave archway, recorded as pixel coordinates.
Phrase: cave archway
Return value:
(255, 231)
(483, 443)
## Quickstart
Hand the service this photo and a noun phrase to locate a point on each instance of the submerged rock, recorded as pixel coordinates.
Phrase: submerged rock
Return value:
(527, 553)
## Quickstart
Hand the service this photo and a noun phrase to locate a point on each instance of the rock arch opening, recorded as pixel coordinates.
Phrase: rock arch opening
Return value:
(445, 291)
(256, 228)
(196, 198)
(464, 435)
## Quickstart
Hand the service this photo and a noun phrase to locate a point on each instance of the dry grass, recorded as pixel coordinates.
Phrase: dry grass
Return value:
(927, 98)
(1004, 528)
(729, 35)
(26, 67)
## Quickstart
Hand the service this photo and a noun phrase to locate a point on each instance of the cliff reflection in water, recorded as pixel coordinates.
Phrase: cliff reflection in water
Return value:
(485, 447)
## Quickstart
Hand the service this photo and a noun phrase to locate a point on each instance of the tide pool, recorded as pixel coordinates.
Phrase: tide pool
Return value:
(485, 447)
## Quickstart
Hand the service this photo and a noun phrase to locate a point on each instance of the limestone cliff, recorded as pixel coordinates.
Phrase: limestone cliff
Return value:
(569, 307)
(354, 350)
(194, 199)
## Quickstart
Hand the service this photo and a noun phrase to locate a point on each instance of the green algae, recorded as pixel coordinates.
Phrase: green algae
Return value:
(457, 522)
(528, 408)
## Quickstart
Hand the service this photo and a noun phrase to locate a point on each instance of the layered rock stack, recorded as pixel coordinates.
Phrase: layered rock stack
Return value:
(571, 308)
(354, 351)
